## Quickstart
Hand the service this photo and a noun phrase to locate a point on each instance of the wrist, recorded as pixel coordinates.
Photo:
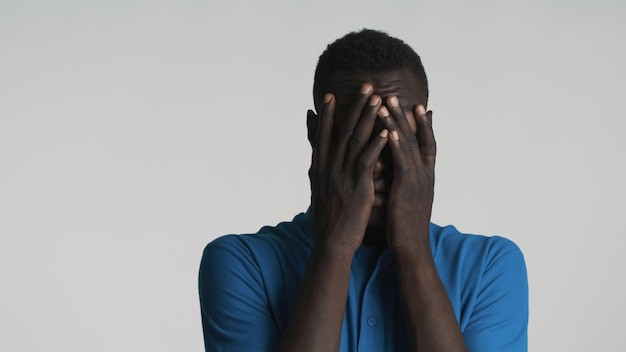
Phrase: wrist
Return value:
(332, 250)
(415, 253)
(338, 239)
(416, 263)
(415, 244)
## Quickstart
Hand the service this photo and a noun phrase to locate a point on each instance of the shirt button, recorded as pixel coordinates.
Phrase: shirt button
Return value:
(371, 321)
(359, 255)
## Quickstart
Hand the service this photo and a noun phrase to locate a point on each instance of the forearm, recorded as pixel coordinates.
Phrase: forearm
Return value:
(429, 317)
(316, 321)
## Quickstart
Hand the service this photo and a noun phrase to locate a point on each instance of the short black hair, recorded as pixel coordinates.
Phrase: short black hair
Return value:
(367, 50)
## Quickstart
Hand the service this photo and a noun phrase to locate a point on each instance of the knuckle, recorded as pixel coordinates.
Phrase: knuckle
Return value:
(403, 168)
(355, 142)
(343, 132)
(413, 142)
(365, 163)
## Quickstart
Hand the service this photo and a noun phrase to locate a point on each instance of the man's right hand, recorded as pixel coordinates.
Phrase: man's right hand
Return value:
(344, 157)
(343, 166)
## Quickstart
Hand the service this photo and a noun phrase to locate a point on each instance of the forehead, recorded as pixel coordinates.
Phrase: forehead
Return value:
(402, 83)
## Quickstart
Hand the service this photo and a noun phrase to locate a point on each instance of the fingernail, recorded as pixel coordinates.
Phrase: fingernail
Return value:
(374, 100)
(366, 89)
(421, 110)
(384, 133)
(393, 101)
(328, 97)
(395, 136)
(383, 111)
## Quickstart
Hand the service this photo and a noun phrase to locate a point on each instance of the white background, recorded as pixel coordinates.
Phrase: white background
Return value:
(134, 132)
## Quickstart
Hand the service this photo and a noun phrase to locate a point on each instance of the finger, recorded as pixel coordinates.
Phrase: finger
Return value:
(325, 129)
(345, 128)
(363, 130)
(367, 160)
(402, 121)
(428, 146)
(399, 154)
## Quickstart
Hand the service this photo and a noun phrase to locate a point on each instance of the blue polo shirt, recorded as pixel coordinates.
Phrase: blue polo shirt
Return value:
(249, 283)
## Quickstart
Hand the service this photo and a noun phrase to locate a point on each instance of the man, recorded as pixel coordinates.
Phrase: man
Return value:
(364, 269)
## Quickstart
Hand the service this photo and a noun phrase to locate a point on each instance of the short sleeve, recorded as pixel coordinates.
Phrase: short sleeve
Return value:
(499, 320)
(234, 307)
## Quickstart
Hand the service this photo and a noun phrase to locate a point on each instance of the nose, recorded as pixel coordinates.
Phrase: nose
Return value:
(380, 166)
(383, 163)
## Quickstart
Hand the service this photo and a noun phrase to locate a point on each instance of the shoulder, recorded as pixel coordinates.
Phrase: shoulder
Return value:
(258, 256)
(244, 283)
(487, 284)
(288, 236)
(247, 284)
(471, 262)
(448, 241)
(477, 268)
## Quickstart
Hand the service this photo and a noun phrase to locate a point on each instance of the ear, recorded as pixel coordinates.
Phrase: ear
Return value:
(312, 123)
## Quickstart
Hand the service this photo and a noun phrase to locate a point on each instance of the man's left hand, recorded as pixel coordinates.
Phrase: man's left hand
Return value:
(410, 198)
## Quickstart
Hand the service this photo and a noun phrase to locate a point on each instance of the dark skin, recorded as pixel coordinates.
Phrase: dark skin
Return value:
(372, 178)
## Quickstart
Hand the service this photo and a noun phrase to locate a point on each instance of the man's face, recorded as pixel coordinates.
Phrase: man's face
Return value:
(405, 86)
